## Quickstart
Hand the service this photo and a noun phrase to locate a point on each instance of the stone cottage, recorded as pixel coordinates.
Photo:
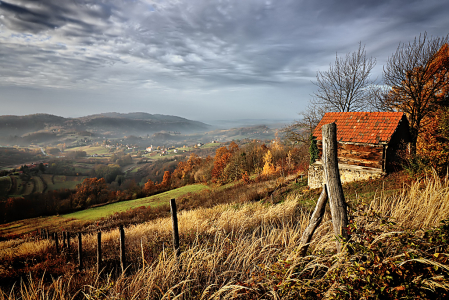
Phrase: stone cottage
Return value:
(370, 144)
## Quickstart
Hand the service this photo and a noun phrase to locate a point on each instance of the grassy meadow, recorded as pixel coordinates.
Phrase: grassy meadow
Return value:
(249, 250)
(153, 201)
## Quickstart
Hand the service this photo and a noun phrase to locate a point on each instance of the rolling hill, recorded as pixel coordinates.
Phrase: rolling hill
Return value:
(33, 128)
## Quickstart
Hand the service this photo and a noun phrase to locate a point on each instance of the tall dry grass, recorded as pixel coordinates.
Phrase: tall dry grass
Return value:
(423, 204)
(232, 251)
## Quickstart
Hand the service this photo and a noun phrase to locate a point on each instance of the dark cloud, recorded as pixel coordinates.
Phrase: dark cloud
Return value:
(199, 45)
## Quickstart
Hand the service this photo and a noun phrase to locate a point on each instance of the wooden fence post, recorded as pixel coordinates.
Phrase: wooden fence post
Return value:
(122, 249)
(80, 251)
(68, 241)
(143, 254)
(174, 217)
(64, 238)
(332, 178)
(98, 252)
(55, 237)
(47, 234)
(315, 221)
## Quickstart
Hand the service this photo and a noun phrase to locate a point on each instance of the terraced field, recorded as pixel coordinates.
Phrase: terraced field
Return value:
(29, 187)
(56, 182)
(5, 185)
(39, 185)
(15, 186)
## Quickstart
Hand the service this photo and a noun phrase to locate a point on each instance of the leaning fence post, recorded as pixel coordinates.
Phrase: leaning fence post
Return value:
(80, 251)
(122, 249)
(175, 226)
(332, 178)
(314, 222)
(98, 252)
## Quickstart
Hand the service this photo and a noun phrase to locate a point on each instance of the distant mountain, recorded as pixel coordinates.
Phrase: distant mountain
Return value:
(110, 124)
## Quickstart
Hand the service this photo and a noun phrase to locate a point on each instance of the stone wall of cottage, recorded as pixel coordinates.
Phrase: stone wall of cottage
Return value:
(348, 173)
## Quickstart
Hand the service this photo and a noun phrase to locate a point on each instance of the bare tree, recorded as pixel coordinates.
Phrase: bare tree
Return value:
(413, 73)
(346, 86)
(300, 130)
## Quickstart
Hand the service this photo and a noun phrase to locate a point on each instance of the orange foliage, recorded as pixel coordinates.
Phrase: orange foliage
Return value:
(433, 143)
(221, 159)
(91, 191)
(185, 169)
(166, 181)
(422, 93)
(149, 187)
(245, 178)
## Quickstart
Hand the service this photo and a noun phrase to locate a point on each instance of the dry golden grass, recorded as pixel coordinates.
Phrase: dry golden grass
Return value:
(424, 204)
(224, 248)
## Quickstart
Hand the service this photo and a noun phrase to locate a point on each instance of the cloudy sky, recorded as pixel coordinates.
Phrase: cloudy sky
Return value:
(199, 59)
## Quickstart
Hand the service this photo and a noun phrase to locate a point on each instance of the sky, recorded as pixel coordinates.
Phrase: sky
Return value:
(204, 60)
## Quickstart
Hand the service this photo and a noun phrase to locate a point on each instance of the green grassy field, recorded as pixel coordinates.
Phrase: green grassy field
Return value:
(90, 150)
(134, 170)
(61, 181)
(154, 201)
(211, 145)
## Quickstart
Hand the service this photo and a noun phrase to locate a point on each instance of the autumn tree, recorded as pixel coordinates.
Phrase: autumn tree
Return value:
(221, 159)
(149, 187)
(184, 172)
(90, 191)
(268, 168)
(166, 182)
(418, 76)
(433, 142)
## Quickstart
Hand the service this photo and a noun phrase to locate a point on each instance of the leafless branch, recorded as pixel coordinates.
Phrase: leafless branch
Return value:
(346, 85)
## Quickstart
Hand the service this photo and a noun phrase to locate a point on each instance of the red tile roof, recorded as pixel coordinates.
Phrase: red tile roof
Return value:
(362, 127)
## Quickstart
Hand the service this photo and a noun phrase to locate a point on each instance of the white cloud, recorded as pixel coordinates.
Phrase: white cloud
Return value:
(197, 45)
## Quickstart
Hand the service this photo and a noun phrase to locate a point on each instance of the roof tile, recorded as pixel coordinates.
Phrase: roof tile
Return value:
(362, 127)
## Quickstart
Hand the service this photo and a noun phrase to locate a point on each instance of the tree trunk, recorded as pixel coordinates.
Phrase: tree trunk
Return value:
(413, 141)
(332, 178)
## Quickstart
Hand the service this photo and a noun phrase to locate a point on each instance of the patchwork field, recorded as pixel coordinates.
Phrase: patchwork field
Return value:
(42, 183)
